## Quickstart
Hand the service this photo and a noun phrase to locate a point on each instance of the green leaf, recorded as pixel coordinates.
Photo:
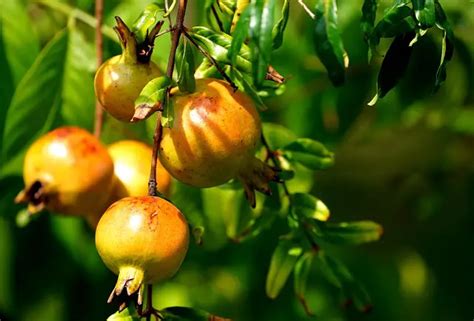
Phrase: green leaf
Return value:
(301, 274)
(302, 268)
(151, 97)
(244, 84)
(217, 44)
(283, 260)
(447, 44)
(128, 314)
(260, 34)
(78, 99)
(424, 12)
(20, 43)
(349, 232)
(35, 103)
(306, 205)
(188, 314)
(147, 20)
(185, 67)
(279, 28)
(396, 21)
(272, 205)
(277, 135)
(339, 275)
(369, 12)
(309, 153)
(328, 41)
(239, 35)
(394, 65)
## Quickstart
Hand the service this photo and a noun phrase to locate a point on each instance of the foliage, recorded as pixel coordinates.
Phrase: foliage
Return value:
(47, 81)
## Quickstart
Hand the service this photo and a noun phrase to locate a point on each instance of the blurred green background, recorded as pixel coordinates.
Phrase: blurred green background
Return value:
(407, 163)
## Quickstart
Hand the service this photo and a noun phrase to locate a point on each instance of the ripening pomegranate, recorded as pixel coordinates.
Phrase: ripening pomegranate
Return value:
(143, 240)
(119, 80)
(132, 161)
(67, 171)
(215, 134)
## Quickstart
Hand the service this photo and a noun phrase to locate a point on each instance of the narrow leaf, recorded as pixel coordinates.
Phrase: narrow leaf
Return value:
(396, 21)
(279, 28)
(150, 98)
(185, 67)
(328, 41)
(188, 314)
(260, 33)
(309, 153)
(147, 19)
(217, 44)
(283, 261)
(447, 44)
(239, 35)
(302, 268)
(394, 65)
(424, 12)
(36, 100)
(339, 275)
(306, 205)
(349, 232)
(369, 11)
(244, 84)
(78, 99)
(17, 35)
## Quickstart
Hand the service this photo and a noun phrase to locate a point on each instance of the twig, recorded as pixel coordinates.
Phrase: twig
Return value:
(272, 156)
(177, 30)
(308, 11)
(216, 16)
(99, 50)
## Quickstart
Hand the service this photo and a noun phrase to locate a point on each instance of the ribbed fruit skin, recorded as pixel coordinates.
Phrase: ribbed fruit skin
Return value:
(214, 134)
(147, 233)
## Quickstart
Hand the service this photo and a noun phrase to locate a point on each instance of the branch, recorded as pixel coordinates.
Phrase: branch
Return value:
(178, 28)
(99, 50)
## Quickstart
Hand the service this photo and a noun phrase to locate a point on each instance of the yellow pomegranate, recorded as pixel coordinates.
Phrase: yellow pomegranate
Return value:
(143, 240)
(132, 161)
(119, 80)
(213, 139)
(67, 171)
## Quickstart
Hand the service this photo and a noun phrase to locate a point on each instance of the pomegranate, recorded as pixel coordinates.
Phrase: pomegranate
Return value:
(132, 161)
(143, 240)
(119, 80)
(67, 171)
(215, 134)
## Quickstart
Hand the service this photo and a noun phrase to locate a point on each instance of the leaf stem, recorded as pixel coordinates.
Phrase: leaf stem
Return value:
(99, 50)
(211, 59)
(178, 28)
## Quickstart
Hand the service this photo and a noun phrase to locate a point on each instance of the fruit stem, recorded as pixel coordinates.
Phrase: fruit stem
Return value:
(99, 51)
(177, 30)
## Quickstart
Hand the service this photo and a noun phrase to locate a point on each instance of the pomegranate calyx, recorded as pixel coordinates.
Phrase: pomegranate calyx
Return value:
(256, 176)
(131, 279)
(35, 196)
